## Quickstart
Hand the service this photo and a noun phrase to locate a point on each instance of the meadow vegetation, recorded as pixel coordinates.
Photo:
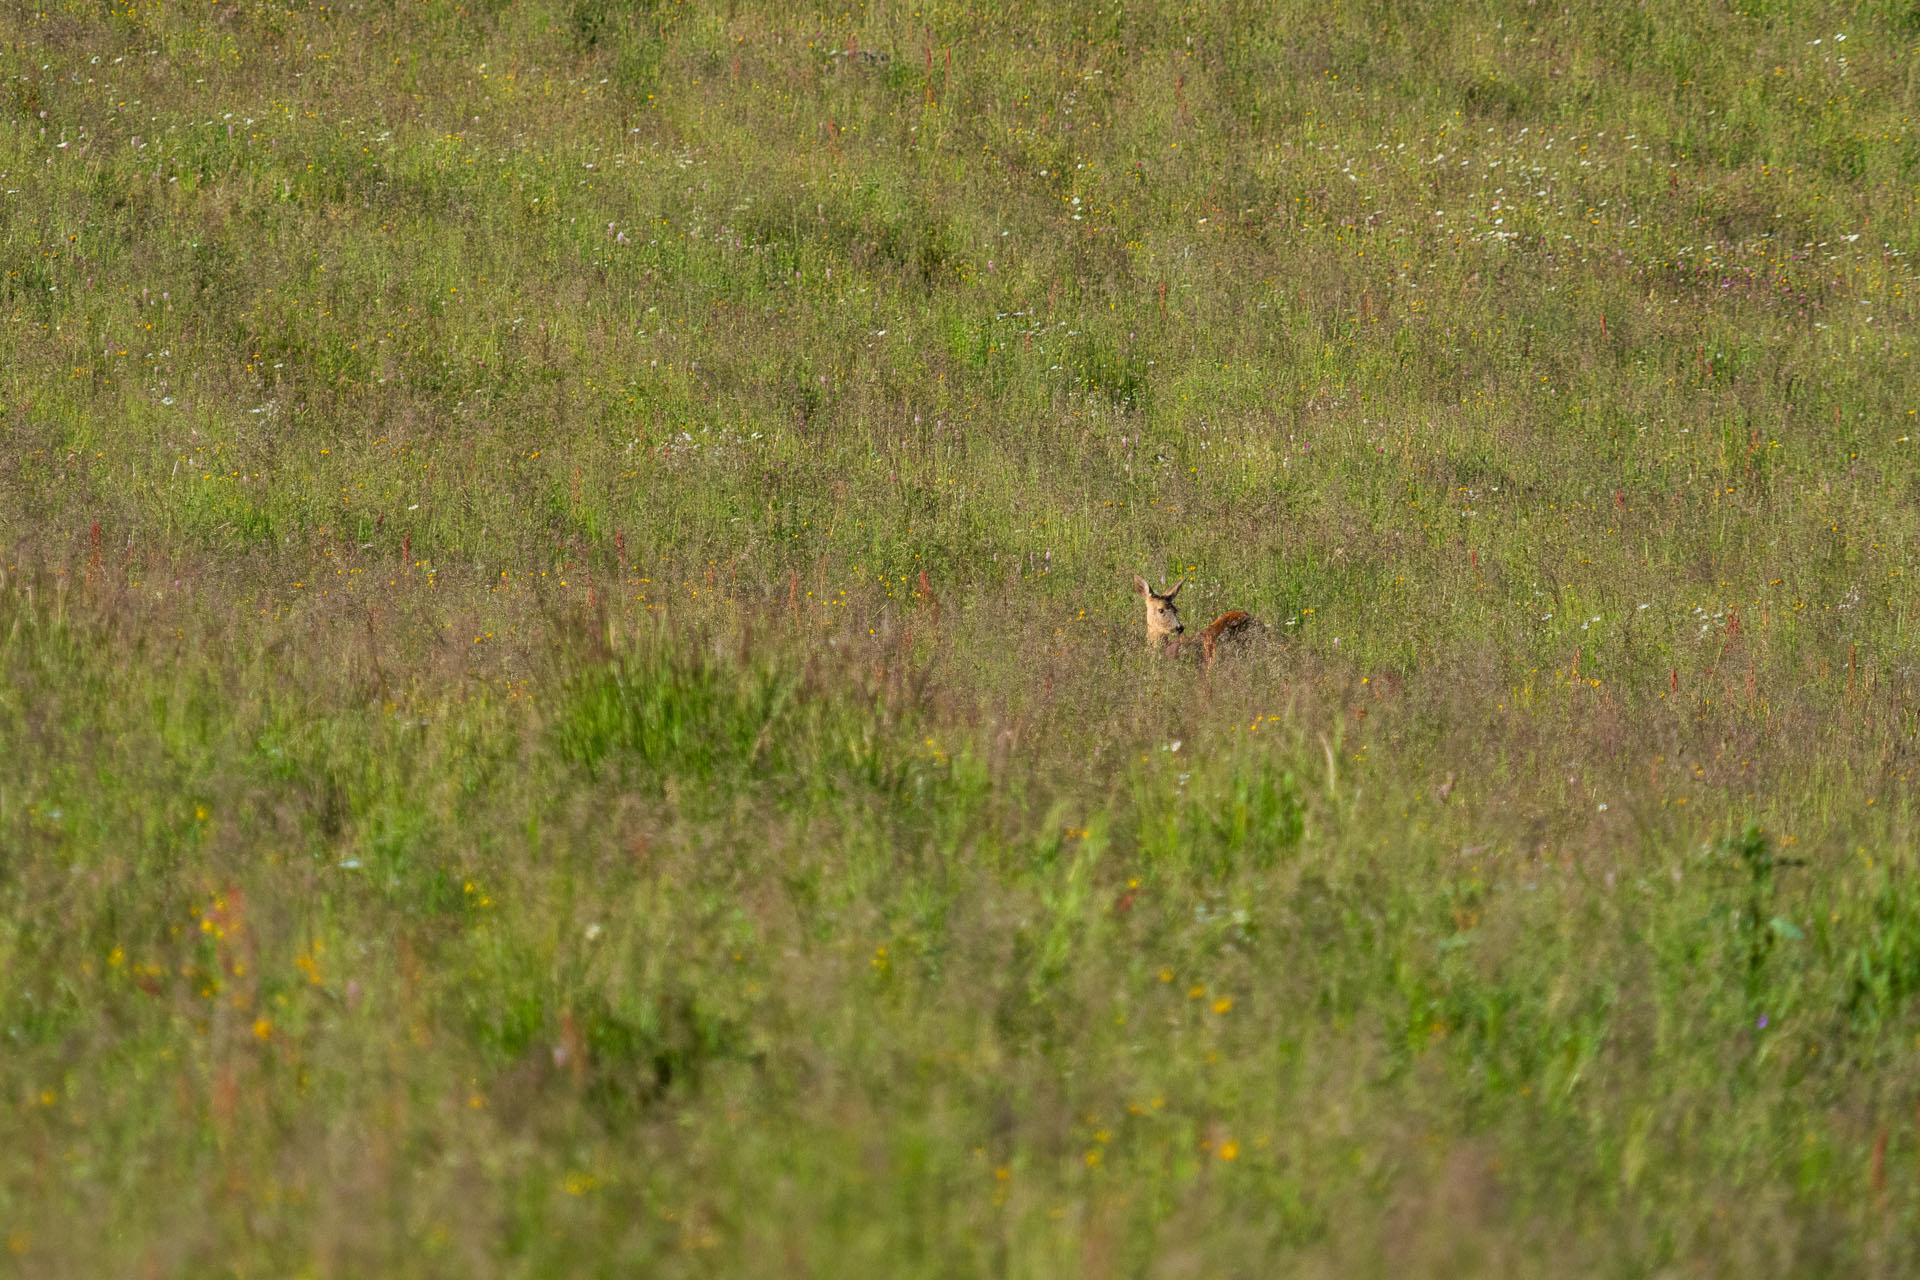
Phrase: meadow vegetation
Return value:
(571, 700)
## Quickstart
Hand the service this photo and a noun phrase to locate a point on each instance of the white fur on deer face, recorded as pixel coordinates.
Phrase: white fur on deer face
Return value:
(1163, 620)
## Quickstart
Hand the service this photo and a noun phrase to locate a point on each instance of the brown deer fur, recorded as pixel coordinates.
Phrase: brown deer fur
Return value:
(1165, 630)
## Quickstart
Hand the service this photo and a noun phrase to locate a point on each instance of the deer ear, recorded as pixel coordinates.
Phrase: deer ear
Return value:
(1176, 588)
(1140, 585)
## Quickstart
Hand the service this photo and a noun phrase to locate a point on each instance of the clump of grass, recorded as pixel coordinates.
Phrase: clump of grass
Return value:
(667, 713)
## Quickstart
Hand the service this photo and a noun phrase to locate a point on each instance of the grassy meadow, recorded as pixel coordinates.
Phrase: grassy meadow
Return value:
(571, 702)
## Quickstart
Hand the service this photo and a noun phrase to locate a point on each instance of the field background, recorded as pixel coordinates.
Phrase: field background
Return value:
(570, 703)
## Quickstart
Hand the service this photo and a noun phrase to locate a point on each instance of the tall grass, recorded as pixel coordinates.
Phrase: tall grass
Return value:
(571, 701)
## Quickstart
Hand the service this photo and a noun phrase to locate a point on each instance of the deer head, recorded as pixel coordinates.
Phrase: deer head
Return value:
(1163, 620)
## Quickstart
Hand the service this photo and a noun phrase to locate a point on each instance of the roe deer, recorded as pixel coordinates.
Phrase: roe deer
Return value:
(1164, 629)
